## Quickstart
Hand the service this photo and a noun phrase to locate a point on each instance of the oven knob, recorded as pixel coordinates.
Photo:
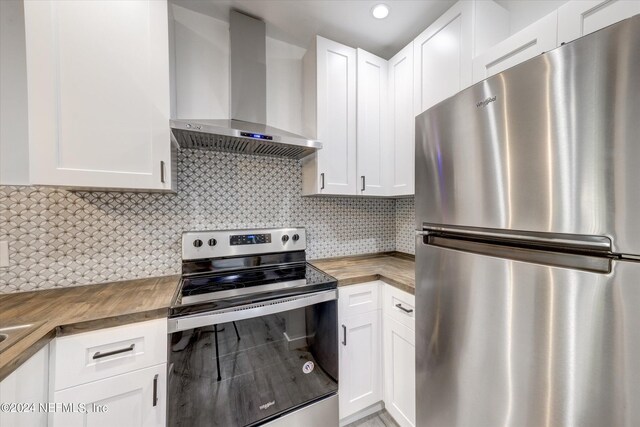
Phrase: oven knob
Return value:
(285, 238)
(197, 243)
(212, 242)
(295, 237)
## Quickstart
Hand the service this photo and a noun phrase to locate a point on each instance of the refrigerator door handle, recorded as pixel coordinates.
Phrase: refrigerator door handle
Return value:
(595, 264)
(590, 243)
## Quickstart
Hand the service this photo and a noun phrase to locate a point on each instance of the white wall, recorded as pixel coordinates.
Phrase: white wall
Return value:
(201, 76)
(526, 12)
(201, 58)
(284, 85)
(14, 130)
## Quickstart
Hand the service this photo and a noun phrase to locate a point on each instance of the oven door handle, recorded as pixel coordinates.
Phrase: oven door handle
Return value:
(248, 311)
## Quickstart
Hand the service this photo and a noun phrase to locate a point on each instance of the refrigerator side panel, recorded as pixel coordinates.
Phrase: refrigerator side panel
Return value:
(551, 145)
(509, 343)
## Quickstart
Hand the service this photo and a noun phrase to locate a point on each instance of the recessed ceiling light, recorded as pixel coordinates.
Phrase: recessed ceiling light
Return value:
(380, 11)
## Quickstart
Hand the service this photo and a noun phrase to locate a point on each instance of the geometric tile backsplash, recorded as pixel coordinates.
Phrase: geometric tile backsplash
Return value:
(62, 238)
(405, 225)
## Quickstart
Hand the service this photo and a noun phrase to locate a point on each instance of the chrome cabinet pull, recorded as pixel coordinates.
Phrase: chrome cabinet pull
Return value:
(363, 183)
(406, 310)
(322, 181)
(162, 173)
(155, 390)
(99, 355)
(344, 335)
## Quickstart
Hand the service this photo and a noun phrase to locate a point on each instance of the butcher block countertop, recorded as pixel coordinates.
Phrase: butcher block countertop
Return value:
(65, 311)
(394, 268)
(78, 309)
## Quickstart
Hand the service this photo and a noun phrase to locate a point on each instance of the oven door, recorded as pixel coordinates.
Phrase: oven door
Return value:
(250, 364)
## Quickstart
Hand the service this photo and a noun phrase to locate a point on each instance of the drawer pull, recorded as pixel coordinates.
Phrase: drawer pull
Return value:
(406, 310)
(99, 355)
(155, 390)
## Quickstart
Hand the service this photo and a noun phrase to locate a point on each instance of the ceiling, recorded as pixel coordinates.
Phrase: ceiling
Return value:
(346, 21)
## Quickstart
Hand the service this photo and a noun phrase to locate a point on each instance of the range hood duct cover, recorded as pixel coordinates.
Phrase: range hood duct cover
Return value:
(246, 132)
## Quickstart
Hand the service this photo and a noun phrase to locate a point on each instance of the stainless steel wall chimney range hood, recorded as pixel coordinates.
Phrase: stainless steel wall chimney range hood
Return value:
(246, 132)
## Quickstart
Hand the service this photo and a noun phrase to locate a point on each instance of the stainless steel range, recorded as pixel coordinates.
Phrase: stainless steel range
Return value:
(253, 333)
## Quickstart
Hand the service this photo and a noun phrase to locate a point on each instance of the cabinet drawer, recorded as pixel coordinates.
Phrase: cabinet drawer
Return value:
(90, 356)
(399, 305)
(358, 299)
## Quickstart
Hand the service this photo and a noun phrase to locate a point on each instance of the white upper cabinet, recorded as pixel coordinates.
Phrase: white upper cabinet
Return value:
(444, 51)
(400, 162)
(578, 18)
(98, 94)
(533, 40)
(372, 125)
(330, 116)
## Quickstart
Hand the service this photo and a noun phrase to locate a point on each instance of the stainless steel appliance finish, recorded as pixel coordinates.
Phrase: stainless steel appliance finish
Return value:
(315, 415)
(246, 132)
(512, 343)
(556, 150)
(234, 136)
(253, 332)
(199, 244)
(527, 207)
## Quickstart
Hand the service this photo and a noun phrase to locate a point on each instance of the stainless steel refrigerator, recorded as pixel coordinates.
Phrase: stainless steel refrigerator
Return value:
(528, 243)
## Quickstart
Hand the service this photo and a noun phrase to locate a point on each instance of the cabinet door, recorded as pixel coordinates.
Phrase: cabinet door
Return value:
(360, 360)
(399, 372)
(535, 39)
(402, 123)
(372, 124)
(27, 384)
(336, 115)
(133, 399)
(579, 18)
(442, 57)
(98, 86)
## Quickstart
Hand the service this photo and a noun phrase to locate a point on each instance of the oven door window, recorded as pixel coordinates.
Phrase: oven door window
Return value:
(251, 370)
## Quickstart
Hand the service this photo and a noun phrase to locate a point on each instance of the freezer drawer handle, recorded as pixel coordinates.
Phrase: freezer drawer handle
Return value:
(344, 334)
(99, 355)
(406, 310)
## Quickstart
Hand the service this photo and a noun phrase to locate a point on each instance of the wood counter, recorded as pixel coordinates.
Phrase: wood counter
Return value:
(394, 268)
(79, 309)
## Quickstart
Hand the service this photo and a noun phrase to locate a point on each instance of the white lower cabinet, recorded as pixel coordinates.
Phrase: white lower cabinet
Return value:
(377, 351)
(360, 348)
(399, 371)
(110, 377)
(27, 385)
(133, 399)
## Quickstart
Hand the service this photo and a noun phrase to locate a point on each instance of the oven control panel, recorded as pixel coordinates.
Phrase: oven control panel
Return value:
(227, 243)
